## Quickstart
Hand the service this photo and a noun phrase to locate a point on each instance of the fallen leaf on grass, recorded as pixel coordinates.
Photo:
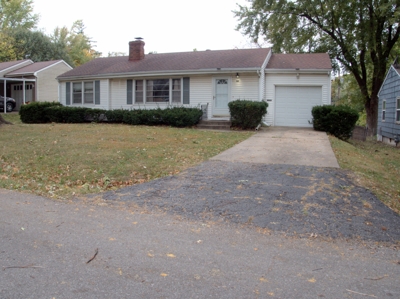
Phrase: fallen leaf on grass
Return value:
(171, 255)
(164, 274)
(262, 279)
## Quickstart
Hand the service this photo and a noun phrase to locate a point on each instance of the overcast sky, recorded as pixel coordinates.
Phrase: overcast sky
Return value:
(165, 25)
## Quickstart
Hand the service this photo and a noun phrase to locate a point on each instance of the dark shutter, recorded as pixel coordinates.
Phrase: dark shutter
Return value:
(129, 93)
(68, 93)
(97, 92)
(186, 90)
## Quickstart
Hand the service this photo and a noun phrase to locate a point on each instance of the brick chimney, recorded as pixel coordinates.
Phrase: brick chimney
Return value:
(136, 49)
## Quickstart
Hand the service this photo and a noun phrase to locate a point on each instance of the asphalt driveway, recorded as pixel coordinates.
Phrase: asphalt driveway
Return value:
(223, 229)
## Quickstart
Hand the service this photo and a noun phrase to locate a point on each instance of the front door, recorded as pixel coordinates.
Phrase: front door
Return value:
(221, 97)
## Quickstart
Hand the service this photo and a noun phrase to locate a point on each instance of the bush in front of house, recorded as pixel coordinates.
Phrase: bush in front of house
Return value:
(116, 115)
(336, 120)
(68, 114)
(171, 116)
(34, 113)
(181, 116)
(247, 114)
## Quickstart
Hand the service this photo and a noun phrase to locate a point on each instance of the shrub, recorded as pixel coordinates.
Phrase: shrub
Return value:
(70, 114)
(34, 113)
(116, 116)
(336, 120)
(181, 116)
(247, 114)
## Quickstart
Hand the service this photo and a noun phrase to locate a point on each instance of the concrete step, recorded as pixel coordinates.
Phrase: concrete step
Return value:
(214, 125)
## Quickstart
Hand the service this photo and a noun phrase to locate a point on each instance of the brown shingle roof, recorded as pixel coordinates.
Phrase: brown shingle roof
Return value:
(32, 68)
(183, 61)
(300, 61)
(8, 64)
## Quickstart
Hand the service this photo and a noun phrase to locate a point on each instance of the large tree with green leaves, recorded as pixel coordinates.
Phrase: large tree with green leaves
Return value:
(359, 35)
(17, 14)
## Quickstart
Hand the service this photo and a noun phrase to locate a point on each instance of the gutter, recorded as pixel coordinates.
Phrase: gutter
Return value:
(160, 73)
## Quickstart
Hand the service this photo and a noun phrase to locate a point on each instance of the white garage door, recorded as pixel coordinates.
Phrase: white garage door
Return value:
(293, 105)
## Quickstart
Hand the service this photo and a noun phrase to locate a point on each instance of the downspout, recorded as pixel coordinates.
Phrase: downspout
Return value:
(262, 76)
(261, 84)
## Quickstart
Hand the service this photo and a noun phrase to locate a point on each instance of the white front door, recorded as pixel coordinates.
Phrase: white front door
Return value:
(221, 97)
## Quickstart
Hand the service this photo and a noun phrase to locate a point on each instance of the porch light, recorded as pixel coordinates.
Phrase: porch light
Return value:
(237, 77)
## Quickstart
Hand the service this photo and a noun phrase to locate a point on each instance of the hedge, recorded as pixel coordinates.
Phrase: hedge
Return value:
(34, 113)
(55, 112)
(337, 120)
(247, 114)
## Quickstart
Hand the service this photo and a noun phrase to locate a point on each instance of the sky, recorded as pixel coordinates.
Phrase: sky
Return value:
(165, 25)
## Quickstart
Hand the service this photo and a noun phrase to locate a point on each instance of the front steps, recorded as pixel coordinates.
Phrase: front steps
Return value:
(224, 125)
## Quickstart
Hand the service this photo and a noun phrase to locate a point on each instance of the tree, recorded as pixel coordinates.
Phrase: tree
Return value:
(34, 45)
(75, 43)
(359, 35)
(17, 14)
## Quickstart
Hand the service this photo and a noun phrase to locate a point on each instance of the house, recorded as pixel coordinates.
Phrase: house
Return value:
(291, 83)
(27, 81)
(389, 107)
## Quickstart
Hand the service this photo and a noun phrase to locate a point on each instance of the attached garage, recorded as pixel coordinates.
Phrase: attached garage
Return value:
(293, 105)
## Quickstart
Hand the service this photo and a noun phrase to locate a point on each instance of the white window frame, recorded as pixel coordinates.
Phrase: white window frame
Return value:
(397, 114)
(83, 93)
(170, 92)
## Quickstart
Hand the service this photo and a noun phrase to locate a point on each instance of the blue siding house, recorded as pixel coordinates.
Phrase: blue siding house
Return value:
(389, 107)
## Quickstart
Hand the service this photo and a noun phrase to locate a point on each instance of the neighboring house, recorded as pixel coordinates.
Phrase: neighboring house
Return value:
(291, 83)
(389, 107)
(27, 81)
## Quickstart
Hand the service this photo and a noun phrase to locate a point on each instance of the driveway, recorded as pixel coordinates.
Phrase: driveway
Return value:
(221, 229)
(284, 145)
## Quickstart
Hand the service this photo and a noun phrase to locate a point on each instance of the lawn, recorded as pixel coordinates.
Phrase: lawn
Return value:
(63, 160)
(375, 165)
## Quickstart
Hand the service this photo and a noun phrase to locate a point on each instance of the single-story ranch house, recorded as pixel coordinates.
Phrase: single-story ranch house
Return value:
(291, 83)
(28, 81)
(389, 107)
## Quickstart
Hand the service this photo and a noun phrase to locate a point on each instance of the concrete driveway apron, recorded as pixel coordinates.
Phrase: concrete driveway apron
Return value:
(283, 145)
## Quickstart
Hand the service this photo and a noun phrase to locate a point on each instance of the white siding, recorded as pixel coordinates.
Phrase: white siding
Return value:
(118, 94)
(62, 86)
(201, 92)
(104, 95)
(246, 89)
(273, 80)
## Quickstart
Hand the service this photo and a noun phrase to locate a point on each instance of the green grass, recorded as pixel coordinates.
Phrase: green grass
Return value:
(375, 165)
(62, 160)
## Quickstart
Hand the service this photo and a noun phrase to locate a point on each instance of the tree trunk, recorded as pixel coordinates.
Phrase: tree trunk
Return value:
(3, 121)
(371, 108)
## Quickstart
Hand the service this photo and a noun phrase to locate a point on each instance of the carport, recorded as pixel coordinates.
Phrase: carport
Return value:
(8, 81)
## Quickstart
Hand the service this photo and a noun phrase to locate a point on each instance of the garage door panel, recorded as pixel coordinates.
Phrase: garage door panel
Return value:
(293, 104)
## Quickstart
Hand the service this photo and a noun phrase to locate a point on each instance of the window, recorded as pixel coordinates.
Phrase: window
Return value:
(88, 96)
(77, 93)
(176, 90)
(83, 92)
(398, 110)
(383, 110)
(139, 91)
(157, 91)
(171, 90)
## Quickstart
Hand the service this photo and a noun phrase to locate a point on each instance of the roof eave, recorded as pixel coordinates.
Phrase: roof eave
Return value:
(162, 73)
(274, 71)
